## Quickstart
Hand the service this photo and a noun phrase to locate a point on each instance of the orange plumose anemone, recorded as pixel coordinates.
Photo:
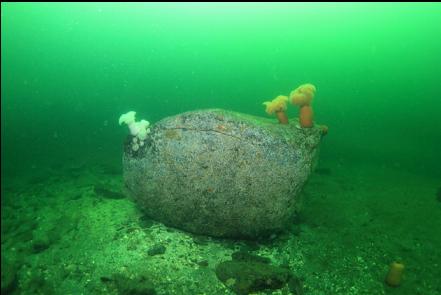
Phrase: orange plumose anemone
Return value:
(278, 106)
(306, 115)
(302, 97)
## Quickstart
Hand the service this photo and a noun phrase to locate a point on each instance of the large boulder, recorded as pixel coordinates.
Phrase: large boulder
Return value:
(221, 173)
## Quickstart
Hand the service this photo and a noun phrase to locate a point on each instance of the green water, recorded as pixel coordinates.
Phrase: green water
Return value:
(69, 70)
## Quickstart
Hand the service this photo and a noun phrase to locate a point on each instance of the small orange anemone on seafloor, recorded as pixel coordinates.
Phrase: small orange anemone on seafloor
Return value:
(302, 97)
(278, 106)
(395, 274)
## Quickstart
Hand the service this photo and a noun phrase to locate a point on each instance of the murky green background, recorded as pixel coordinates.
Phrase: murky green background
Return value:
(69, 71)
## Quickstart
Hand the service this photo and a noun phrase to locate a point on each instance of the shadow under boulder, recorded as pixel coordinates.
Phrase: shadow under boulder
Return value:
(103, 192)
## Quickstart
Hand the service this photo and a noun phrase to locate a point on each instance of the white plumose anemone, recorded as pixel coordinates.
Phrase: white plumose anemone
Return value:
(139, 130)
(127, 118)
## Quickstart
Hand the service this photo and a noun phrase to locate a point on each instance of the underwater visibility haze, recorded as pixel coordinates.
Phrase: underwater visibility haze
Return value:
(287, 148)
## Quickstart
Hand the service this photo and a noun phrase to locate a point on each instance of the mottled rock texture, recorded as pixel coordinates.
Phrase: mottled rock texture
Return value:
(221, 173)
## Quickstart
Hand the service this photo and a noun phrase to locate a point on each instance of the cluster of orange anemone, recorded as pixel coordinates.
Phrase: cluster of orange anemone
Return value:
(302, 97)
(278, 106)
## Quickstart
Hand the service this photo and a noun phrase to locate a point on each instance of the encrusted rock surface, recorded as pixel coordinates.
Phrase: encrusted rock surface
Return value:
(221, 173)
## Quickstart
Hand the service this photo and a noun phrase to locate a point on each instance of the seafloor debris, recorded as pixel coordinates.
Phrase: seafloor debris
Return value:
(247, 273)
(101, 191)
